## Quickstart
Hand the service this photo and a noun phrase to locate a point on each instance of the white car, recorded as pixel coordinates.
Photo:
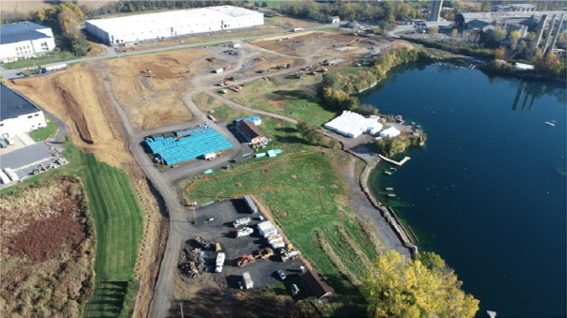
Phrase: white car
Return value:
(245, 231)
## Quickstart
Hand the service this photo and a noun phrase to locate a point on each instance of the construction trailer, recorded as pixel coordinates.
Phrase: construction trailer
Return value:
(266, 228)
(250, 203)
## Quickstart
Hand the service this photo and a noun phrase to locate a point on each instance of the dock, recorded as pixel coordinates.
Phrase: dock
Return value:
(389, 189)
(397, 163)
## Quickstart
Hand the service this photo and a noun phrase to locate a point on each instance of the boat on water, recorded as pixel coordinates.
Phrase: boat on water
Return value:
(550, 123)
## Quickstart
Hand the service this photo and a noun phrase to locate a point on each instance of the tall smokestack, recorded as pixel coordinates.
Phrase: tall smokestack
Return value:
(549, 32)
(435, 10)
(556, 34)
(540, 28)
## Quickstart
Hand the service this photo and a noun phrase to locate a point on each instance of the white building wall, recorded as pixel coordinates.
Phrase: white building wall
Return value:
(25, 49)
(22, 124)
(139, 30)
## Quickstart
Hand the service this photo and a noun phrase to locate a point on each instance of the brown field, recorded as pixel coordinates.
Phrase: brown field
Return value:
(292, 23)
(304, 44)
(47, 252)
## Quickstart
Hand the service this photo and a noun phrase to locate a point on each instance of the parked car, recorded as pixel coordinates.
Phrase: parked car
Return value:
(281, 274)
(245, 231)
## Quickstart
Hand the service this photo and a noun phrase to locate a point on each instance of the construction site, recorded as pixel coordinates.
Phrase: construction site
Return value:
(140, 113)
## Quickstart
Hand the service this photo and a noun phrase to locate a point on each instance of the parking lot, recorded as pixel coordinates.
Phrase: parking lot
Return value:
(26, 159)
(220, 230)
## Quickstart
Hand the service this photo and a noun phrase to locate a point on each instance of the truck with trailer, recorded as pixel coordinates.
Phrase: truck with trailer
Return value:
(290, 255)
(11, 174)
(4, 178)
(241, 222)
(219, 262)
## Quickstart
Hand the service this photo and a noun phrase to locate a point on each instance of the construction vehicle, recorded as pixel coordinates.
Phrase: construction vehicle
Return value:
(265, 253)
(204, 244)
(217, 247)
(287, 248)
(290, 255)
(219, 262)
(245, 260)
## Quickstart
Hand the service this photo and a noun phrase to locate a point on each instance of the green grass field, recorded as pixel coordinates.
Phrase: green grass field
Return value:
(291, 97)
(54, 58)
(44, 133)
(119, 228)
(304, 193)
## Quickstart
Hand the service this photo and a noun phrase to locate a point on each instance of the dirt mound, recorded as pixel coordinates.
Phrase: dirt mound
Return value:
(47, 252)
(78, 97)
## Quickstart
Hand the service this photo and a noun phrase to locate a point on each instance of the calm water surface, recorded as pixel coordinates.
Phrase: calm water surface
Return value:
(488, 192)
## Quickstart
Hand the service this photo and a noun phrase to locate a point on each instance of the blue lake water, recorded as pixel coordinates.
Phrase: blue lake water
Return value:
(488, 192)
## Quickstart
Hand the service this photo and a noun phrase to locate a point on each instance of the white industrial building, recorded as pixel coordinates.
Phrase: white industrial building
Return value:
(390, 132)
(352, 124)
(24, 40)
(17, 114)
(172, 23)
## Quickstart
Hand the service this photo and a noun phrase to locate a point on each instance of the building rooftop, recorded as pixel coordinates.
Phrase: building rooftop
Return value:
(172, 17)
(467, 16)
(13, 104)
(22, 31)
(250, 129)
(316, 284)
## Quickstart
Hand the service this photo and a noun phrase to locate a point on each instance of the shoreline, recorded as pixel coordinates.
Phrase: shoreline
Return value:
(406, 238)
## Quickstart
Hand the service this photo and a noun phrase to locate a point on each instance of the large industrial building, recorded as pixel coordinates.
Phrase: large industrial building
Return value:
(17, 114)
(172, 23)
(24, 40)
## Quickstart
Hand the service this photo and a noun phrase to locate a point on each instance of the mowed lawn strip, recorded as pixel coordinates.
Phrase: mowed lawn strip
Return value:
(119, 223)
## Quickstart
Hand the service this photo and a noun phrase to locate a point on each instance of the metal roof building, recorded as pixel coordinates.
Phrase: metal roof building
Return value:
(17, 114)
(160, 25)
(24, 40)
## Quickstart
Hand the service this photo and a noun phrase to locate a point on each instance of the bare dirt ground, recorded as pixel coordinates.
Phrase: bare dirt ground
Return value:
(47, 252)
(292, 23)
(156, 101)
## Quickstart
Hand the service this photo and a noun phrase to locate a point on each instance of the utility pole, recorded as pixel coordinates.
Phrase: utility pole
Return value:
(181, 307)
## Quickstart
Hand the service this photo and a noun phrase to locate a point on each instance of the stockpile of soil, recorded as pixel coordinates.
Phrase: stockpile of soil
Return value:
(47, 252)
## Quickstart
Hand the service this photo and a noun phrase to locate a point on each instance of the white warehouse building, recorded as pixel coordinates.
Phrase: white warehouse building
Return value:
(24, 40)
(17, 114)
(172, 23)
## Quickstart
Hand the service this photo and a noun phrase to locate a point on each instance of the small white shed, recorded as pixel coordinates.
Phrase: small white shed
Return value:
(390, 132)
(266, 228)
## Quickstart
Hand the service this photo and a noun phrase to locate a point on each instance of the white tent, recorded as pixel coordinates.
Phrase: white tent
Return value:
(352, 125)
(390, 132)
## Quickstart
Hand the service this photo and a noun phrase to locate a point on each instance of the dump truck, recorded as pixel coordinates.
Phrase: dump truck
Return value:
(241, 222)
(290, 255)
(245, 260)
(265, 253)
(247, 281)
(219, 262)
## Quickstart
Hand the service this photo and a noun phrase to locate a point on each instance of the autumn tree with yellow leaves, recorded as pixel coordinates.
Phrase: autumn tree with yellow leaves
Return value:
(425, 287)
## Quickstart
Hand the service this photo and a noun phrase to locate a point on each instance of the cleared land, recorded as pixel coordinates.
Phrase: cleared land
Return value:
(47, 249)
(307, 198)
(287, 96)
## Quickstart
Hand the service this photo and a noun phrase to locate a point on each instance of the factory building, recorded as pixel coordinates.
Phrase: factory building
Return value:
(24, 40)
(172, 23)
(17, 114)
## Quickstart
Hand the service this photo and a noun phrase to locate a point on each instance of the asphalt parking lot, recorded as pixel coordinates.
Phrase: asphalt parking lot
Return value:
(24, 160)
(220, 230)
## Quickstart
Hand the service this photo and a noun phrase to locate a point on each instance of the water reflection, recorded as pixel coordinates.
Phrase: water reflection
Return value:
(532, 91)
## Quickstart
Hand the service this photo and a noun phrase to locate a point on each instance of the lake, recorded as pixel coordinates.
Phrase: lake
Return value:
(488, 192)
